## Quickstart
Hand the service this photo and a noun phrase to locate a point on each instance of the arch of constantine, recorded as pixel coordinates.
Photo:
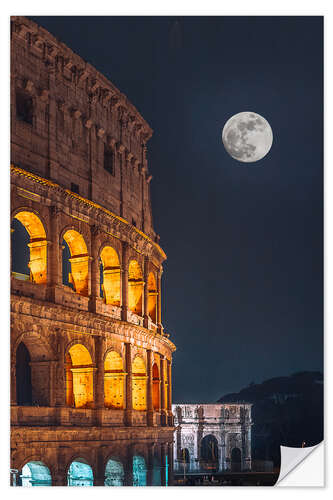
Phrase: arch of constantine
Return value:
(212, 438)
(90, 360)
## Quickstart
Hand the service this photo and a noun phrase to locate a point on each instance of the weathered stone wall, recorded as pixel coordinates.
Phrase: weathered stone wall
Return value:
(76, 115)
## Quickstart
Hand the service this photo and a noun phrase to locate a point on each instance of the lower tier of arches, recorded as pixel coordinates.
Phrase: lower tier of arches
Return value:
(147, 462)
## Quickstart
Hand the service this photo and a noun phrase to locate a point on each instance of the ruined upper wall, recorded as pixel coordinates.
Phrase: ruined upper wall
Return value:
(73, 126)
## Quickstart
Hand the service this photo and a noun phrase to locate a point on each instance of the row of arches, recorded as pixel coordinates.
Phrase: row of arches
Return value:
(209, 456)
(79, 380)
(29, 262)
(80, 473)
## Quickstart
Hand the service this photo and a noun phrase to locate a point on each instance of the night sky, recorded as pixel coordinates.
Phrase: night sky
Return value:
(243, 285)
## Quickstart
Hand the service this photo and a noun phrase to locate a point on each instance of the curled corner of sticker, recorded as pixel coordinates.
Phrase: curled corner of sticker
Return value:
(298, 470)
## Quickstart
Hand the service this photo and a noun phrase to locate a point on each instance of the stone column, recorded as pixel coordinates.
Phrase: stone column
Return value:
(128, 467)
(53, 387)
(13, 384)
(150, 408)
(170, 464)
(159, 303)
(163, 463)
(94, 267)
(194, 457)
(54, 253)
(221, 454)
(99, 379)
(99, 472)
(129, 380)
(150, 463)
(59, 479)
(124, 280)
(145, 294)
(163, 392)
(169, 405)
(61, 376)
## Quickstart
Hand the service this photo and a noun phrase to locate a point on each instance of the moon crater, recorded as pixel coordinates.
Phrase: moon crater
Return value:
(247, 137)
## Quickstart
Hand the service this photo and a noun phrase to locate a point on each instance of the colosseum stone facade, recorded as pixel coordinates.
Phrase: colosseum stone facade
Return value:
(91, 395)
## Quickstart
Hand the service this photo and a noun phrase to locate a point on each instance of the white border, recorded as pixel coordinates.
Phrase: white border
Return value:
(145, 7)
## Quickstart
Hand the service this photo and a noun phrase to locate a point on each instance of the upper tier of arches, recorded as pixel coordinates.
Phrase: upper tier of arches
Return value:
(103, 270)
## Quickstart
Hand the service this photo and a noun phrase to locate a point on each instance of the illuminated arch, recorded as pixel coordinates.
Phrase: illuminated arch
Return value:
(135, 287)
(156, 388)
(139, 471)
(152, 296)
(79, 377)
(35, 474)
(114, 473)
(80, 473)
(113, 380)
(111, 276)
(37, 245)
(79, 261)
(139, 384)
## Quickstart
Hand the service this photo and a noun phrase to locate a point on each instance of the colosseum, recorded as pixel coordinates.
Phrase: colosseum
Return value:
(91, 399)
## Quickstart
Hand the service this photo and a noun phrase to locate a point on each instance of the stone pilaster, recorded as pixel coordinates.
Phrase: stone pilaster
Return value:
(99, 378)
(159, 303)
(13, 385)
(163, 464)
(150, 409)
(145, 294)
(150, 463)
(54, 252)
(94, 267)
(53, 388)
(163, 392)
(169, 390)
(124, 281)
(129, 381)
(170, 464)
(128, 467)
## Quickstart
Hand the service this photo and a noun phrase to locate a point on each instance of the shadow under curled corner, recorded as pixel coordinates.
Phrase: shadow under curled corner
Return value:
(297, 470)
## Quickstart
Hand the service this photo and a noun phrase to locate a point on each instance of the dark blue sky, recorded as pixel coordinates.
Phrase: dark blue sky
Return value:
(242, 287)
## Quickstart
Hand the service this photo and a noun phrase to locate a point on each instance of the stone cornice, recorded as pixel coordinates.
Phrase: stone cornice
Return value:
(57, 55)
(85, 322)
(125, 226)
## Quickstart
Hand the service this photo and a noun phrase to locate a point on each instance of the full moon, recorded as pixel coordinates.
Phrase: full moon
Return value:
(247, 137)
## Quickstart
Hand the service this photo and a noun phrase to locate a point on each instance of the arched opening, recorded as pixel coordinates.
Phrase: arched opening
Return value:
(35, 474)
(236, 460)
(139, 471)
(113, 380)
(32, 369)
(79, 377)
(29, 248)
(139, 384)
(135, 287)
(209, 458)
(156, 388)
(80, 473)
(23, 376)
(114, 473)
(110, 283)
(152, 297)
(75, 262)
